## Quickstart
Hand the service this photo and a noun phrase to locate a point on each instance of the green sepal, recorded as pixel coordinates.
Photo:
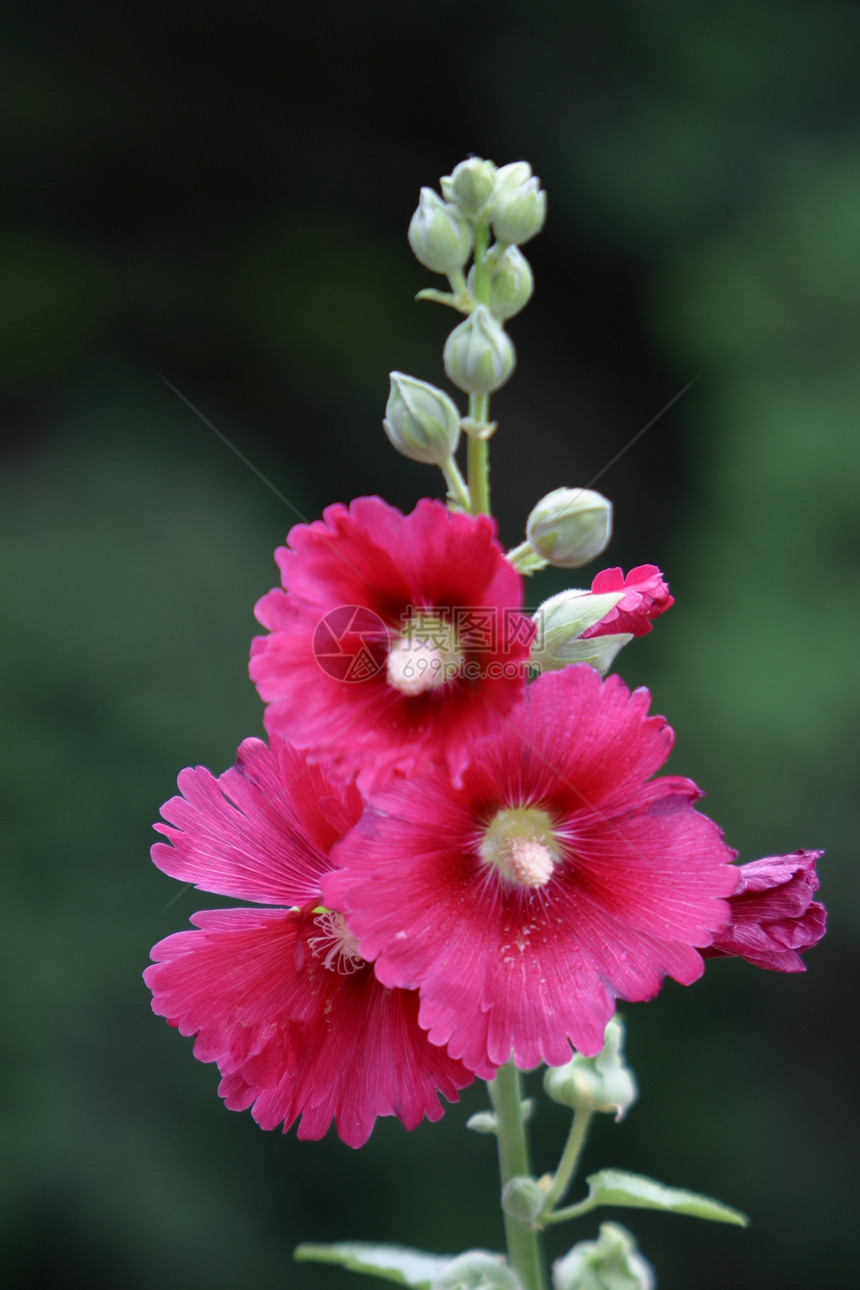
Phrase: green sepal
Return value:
(633, 1191)
(464, 304)
(394, 1263)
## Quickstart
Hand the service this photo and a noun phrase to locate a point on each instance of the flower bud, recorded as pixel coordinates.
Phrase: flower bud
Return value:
(511, 284)
(612, 1262)
(561, 622)
(570, 526)
(439, 235)
(522, 1198)
(470, 185)
(518, 209)
(421, 421)
(477, 1270)
(602, 1083)
(479, 356)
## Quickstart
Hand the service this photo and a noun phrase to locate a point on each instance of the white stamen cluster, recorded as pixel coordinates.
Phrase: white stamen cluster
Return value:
(335, 945)
(414, 667)
(531, 863)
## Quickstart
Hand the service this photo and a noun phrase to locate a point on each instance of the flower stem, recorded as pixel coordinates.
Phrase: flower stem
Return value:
(524, 1244)
(456, 483)
(478, 459)
(569, 1159)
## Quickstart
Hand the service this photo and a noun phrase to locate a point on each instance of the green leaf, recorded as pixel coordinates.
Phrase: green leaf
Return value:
(391, 1262)
(616, 1187)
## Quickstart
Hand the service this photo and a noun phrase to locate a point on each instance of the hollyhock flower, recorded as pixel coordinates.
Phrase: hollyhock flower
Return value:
(556, 878)
(397, 639)
(280, 998)
(646, 595)
(773, 915)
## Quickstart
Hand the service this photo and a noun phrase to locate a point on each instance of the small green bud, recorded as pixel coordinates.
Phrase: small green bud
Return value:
(612, 1262)
(522, 1198)
(602, 1083)
(479, 356)
(511, 283)
(518, 209)
(470, 185)
(570, 526)
(477, 1270)
(439, 235)
(421, 421)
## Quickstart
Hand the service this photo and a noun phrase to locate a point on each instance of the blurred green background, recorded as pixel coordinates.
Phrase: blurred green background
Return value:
(219, 194)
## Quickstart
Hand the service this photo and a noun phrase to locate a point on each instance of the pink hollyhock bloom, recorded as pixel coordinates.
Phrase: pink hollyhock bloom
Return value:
(558, 877)
(773, 915)
(646, 595)
(396, 641)
(280, 998)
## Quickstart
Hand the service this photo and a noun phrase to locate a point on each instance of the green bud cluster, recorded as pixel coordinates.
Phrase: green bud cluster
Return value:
(479, 202)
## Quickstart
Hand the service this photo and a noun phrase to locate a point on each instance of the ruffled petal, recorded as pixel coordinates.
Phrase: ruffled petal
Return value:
(261, 831)
(294, 1038)
(353, 580)
(639, 884)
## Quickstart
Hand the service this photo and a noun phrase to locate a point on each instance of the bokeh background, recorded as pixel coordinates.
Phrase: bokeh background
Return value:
(219, 195)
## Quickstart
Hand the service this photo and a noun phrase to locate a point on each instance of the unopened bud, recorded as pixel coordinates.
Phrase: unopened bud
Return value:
(603, 1083)
(439, 235)
(477, 1270)
(522, 1198)
(518, 208)
(612, 1262)
(511, 284)
(421, 421)
(479, 356)
(570, 526)
(470, 185)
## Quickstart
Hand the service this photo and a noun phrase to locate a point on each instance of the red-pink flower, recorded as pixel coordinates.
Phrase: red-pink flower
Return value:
(773, 915)
(646, 595)
(280, 998)
(396, 641)
(558, 877)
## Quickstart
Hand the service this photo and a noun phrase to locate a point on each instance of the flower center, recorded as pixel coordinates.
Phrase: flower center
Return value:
(521, 844)
(335, 945)
(425, 657)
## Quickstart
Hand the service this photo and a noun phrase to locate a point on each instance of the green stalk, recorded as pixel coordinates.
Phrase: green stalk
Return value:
(569, 1159)
(456, 483)
(478, 456)
(525, 1251)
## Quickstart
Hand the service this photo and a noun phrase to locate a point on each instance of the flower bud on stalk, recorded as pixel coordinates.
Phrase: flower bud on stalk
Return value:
(603, 1083)
(511, 284)
(440, 237)
(421, 421)
(479, 356)
(518, 208)
(610, 1263)
(570, 526)
(470, 185)
(522, 1198)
